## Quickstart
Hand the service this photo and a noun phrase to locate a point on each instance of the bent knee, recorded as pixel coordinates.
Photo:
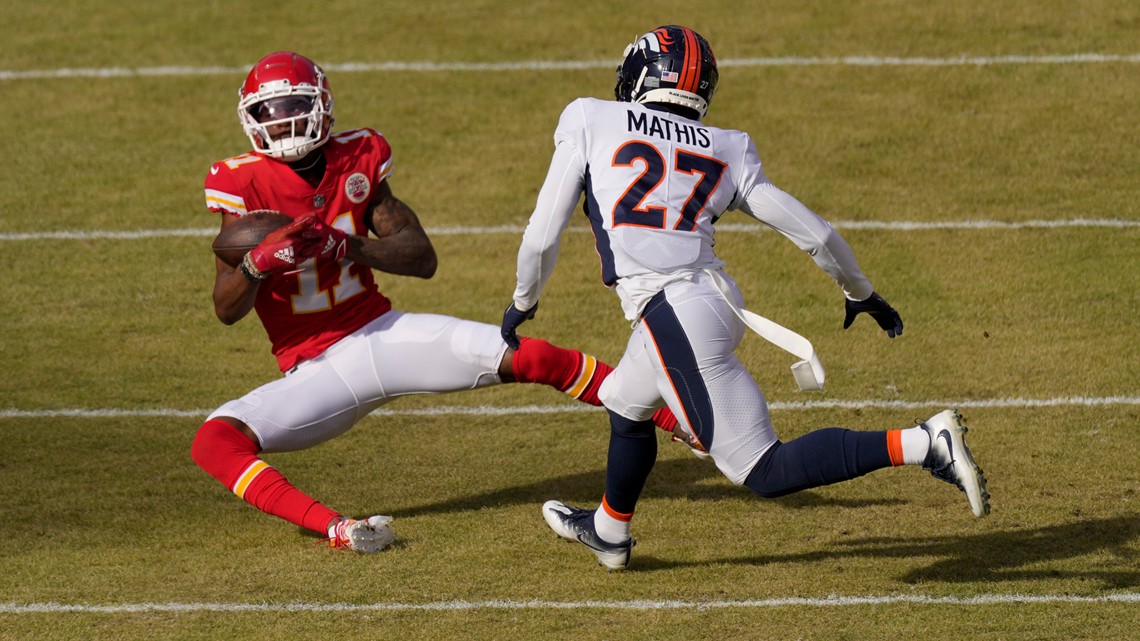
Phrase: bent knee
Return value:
(216, 438)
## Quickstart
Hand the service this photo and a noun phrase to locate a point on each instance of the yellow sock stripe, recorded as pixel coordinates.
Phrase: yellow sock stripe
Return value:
(250, 473)
(589, 365)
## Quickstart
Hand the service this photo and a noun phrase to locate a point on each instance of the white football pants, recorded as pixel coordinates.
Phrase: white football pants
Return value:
(394, 355)
(681, 355)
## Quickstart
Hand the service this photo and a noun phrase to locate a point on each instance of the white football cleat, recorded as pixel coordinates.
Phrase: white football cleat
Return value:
(365, 536)
(576, 524)
(950, 460)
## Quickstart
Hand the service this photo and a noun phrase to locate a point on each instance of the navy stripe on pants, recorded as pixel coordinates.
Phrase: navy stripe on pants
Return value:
(680, 365)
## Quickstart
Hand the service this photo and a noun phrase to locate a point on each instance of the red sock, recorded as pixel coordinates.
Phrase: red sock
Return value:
(571, 372)
(578, 375)
(231, 457)
(665, 419)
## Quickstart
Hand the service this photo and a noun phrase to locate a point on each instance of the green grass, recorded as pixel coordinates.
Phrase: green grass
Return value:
(106, 511)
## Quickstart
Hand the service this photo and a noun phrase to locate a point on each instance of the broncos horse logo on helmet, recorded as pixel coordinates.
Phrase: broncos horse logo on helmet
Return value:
(671, 64)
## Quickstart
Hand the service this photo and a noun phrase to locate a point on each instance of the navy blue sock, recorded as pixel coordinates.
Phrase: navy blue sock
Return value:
(822, 457)
(633, 451)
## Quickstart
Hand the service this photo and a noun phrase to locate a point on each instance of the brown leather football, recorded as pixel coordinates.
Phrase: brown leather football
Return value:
(245, 233)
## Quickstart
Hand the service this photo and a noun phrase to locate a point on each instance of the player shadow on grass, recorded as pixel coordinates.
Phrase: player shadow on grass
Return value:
(1011, 555)
(682, 478)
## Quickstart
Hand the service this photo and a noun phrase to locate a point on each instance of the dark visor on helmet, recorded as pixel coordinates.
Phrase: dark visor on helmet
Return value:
(282, 107)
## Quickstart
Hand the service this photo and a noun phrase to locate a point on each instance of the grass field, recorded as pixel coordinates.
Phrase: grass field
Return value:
(991, 200)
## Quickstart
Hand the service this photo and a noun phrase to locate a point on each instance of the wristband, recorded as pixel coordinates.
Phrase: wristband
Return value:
(250, 271)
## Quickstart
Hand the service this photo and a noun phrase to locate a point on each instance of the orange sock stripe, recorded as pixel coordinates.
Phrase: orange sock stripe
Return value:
(589, 366)
(246, 477)
(894, 447)
(620, 516)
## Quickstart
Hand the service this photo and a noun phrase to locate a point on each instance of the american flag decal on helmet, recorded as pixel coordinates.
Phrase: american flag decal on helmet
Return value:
(671, 64)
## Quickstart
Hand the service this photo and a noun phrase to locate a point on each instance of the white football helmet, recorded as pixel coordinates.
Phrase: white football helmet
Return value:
(286, 106)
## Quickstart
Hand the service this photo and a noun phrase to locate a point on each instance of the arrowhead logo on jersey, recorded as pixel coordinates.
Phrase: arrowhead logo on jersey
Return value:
(285, 254)
(357, 187)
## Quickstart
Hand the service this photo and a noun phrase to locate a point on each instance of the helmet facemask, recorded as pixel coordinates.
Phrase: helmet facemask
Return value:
(287, 116)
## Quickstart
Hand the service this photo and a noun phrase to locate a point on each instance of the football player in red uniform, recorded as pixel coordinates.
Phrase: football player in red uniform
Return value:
(343, 348)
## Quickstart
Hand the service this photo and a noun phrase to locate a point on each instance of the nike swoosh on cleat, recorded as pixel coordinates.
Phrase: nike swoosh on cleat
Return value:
(950, 467)
(949, 443)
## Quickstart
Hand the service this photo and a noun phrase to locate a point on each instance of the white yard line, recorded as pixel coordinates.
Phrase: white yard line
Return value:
(1129, 598)
(566, 408)
(885, 225)
(548, 65)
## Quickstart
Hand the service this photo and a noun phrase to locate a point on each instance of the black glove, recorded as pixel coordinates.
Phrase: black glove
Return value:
(879, 309)
(512, 318)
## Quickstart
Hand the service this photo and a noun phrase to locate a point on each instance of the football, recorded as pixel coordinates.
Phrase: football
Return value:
(245, 233)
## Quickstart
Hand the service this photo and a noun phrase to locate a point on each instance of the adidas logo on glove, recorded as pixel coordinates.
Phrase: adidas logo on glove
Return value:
(335, 248)
(285, 254)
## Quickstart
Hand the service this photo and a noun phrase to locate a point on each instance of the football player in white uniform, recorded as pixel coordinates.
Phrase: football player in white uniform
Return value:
(655, 179)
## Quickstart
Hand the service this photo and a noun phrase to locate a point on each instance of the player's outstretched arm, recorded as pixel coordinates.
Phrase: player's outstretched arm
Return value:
(795, 221)
(401, 245)
(538, 251)
(811, 233)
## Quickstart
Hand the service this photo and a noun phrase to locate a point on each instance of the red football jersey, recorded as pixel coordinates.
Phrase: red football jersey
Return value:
(306, 312)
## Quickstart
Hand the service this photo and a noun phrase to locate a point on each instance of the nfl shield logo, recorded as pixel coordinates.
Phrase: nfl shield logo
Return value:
(318, 201)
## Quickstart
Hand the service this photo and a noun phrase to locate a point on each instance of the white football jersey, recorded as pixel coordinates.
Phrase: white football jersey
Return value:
(654, 184)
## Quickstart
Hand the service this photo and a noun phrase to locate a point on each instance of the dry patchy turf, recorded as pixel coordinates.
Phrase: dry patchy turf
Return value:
(1031, 329)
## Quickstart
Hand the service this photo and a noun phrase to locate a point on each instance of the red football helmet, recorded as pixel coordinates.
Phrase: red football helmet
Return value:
(286, 106)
